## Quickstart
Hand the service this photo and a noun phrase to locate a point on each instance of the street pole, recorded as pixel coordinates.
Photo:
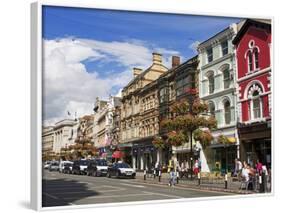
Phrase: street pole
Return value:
(225, 181)
(144, 174)
(191, 157)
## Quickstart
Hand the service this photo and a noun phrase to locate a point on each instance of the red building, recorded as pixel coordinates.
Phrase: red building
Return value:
(253, 59)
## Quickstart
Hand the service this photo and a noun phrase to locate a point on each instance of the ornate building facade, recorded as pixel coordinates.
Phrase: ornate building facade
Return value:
(138, 113)
(254, 83)
(217, 86)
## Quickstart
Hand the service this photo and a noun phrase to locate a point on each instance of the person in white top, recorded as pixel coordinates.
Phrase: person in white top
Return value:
(245, 172)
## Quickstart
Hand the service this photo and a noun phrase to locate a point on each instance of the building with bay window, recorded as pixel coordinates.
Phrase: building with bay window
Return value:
(253, 55)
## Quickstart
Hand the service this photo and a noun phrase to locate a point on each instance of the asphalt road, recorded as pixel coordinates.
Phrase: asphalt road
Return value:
(64, 189)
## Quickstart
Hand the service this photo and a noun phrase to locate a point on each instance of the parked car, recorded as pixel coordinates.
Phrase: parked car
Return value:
(62, 165)
(80, 167)
(54, 166)
(97, 167)
(47, 164)
(67, 169)
(121, 169)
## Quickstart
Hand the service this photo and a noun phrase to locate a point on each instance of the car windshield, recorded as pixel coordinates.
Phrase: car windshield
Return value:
(68, 164)
(101, 163)
(122, 165)
(83, 162)
(55, 164)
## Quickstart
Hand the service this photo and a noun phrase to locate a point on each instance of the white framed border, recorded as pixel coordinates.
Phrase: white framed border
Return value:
(36, 97)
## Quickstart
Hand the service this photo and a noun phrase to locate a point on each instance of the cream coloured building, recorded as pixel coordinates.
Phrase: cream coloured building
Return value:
(139, 114)
(47, 139)
(63, 134)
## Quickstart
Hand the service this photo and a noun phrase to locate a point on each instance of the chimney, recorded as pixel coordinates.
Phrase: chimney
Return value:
(136, 71)
(157, 58)
(175, 61)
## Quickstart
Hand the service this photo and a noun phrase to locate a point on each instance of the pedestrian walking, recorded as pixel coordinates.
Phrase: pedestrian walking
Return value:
(172, 179)
(196, 168)
(259, 167)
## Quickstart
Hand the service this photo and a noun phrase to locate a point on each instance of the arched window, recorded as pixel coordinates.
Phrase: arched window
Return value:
(226, 78)
(211, 83)
(211, 107)
(256, 58)
(256, 103)
(227, 115)
(254, 96)
(250, 61)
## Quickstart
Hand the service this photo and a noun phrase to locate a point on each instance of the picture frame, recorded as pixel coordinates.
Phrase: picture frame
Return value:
(37, 79)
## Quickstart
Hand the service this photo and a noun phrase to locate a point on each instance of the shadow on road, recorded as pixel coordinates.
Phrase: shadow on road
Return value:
(62, 192)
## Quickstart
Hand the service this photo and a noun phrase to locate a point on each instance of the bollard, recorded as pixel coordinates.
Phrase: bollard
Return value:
(159, 175)
(144, 174)
(199, 178)
(154, 173)
(177, 177)
(225, 181)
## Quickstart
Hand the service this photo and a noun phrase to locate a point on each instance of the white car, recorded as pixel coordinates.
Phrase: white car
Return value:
(62, 164)
(47, 164)
(121, 170)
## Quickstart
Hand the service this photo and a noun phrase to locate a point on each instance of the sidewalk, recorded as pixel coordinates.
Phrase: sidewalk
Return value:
(205, 184)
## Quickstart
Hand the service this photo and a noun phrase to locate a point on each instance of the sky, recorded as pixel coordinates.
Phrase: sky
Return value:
(89, 53)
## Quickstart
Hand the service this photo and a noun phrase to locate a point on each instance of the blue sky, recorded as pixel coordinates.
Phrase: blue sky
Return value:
(104, 45)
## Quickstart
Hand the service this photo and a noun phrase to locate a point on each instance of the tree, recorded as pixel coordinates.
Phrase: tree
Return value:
(188, 121)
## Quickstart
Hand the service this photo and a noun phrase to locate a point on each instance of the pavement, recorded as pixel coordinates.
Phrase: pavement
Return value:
(205, 183)
(65, 189)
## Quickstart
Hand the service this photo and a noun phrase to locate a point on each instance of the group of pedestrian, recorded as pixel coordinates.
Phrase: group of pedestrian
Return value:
(181, 169)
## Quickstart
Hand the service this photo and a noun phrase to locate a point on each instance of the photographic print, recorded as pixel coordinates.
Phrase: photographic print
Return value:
(146, 106)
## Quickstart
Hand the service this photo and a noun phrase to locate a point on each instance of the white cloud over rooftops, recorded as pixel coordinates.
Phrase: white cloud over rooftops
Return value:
(69, 86)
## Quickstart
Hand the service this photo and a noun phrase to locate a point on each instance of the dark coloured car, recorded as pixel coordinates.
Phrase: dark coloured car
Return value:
(97, 167)
(67, 168)
(80, 167)
(121, 170)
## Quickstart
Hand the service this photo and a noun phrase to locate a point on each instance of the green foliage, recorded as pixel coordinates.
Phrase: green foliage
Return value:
(223, 139)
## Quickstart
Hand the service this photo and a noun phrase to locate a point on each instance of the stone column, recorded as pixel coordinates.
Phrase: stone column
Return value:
(141, 162)
(134, 161)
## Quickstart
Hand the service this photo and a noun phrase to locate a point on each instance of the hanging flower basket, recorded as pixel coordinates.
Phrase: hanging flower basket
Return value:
(204, 136)
(158, 142)
(177, 138)
(198, 106)
(212, 122)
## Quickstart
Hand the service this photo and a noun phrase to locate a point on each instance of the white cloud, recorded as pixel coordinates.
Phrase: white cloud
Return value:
(194, 46)
(67, 84)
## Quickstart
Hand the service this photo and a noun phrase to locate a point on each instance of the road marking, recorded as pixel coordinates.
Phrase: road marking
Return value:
(164, 195)
(112, 196)
(137, 186)
(51, 196)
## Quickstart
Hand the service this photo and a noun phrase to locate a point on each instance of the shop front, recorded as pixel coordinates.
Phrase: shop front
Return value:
(256, 143)
(126, 148)
(220, 158)
(144, 155)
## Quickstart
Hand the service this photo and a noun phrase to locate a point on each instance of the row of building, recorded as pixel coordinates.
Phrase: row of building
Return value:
(232, 73)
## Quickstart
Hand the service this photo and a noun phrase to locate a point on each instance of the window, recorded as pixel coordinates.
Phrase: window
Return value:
(227, 115)
(256, 57)
(210, 55)
(184, 84)
(256, 105)
(226, 78)
(211, 83)
(224, 48)
(162, 95)
(211, 107)
(250, 61)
